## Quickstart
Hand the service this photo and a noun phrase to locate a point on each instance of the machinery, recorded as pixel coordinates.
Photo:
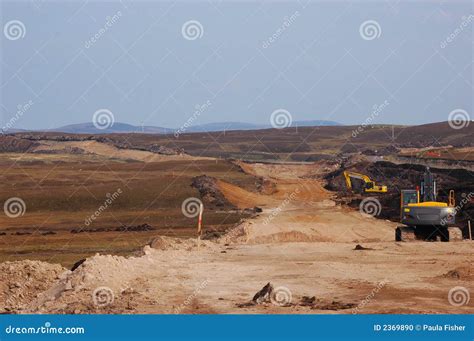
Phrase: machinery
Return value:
(369, 186)
(424, 217)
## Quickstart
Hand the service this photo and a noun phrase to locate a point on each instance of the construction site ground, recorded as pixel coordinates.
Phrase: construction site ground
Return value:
(302, 243)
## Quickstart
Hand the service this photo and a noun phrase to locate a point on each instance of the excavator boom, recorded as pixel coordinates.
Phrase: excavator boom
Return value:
(369, 185)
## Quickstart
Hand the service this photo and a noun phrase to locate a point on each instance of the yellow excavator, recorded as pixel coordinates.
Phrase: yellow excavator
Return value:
(424, 217)
(369, 185)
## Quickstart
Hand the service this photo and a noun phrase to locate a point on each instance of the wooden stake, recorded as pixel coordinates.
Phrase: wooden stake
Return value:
(199, 227)
(469, 227)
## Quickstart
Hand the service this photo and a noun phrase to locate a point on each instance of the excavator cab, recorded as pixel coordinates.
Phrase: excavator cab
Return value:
(369, 185)
(409, 196)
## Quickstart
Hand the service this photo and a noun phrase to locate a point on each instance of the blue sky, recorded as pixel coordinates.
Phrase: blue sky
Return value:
(320, 64)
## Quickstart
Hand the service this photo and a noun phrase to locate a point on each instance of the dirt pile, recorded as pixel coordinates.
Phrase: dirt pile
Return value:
(124, 228)
(96, 283)
(79, 144)
(13, 144)
(265, 186)
(154, 148)
(210, 191)
(67, 150)
(21, 282)
(170, 243)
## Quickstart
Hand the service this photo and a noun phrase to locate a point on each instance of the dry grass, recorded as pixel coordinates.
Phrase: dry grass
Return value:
(61, 191)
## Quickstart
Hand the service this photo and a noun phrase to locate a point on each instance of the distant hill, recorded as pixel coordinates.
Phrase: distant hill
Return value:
(118, 127)
(222, 126)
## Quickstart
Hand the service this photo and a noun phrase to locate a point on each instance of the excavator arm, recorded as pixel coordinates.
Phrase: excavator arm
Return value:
(369, 185)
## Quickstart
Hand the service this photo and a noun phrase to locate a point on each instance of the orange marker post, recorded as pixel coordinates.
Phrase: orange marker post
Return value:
(199, 227)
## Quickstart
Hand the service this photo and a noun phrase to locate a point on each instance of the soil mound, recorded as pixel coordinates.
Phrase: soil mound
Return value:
(210, 191)
(12, 144)
(170, 243)
(22, 281)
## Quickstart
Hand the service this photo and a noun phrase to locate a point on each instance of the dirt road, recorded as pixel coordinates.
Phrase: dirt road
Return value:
(302, 243)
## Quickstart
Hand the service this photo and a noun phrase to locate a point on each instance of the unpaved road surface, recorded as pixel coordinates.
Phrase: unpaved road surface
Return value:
(302, 243)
